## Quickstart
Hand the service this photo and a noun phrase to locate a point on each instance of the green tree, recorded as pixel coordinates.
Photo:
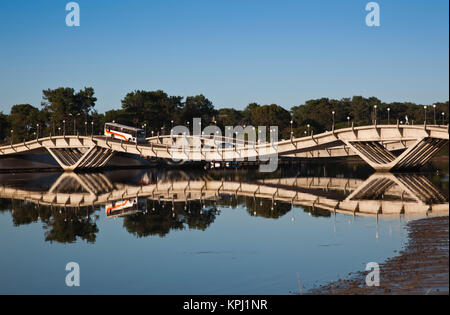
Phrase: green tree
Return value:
(4, 127)
(154, 108)
(61, 226)
(269, 115)
(119, 116)
(247, 113)
(63, 104)
(197, 107)
(318, 113)
(64, 230)
(23, 121)
(163, 218)
(442, 107)
(228, 117)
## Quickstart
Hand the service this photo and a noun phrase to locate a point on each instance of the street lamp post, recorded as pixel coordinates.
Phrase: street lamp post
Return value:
(292, 132)
(425, 110)
(37, 131)
(85, 128)
(333, 112)
(375, 115)
(443, 118)
(92, 129)
(74, 122)
(70, 114)
(64, 130)
(309, 127)
(434, 113)
(389, 111)
(12, 136)
(348, 121)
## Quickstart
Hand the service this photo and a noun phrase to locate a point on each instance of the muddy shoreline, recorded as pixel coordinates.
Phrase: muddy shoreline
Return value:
(420, 268)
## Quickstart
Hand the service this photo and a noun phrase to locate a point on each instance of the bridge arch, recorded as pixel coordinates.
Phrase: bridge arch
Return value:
(374, 144)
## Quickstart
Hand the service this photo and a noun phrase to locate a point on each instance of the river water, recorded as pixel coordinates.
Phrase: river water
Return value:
(156, 231)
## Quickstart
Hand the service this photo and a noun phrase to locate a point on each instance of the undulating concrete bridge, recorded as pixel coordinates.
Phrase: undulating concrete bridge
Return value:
(377, 145)
(381, 194)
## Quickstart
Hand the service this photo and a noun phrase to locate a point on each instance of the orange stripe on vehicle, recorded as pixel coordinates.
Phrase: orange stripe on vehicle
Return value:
(116, 134)
(108, 210)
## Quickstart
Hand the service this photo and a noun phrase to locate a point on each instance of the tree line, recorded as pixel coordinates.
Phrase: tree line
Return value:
(66, 111)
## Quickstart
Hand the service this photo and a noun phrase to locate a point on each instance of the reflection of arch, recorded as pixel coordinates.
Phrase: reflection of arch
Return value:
(93, 183)
(389, 193)
(414, 187)
(379, 194)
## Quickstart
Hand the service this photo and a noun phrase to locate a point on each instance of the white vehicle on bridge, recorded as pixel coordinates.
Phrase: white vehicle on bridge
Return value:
(125, 207)
(125, 133)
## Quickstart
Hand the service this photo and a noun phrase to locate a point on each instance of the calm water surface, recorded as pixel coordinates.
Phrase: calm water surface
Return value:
(136, 231)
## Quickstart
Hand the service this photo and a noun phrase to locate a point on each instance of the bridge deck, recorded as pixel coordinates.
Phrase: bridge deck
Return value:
(372, 143)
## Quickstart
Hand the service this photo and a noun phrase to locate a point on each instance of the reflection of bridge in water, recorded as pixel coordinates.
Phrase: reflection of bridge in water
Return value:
(376, 145)
(381, 194)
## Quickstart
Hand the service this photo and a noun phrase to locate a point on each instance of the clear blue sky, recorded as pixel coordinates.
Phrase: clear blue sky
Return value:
(233, 51)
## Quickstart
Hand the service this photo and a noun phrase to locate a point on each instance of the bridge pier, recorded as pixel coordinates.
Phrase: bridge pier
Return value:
(379, 158)
(74, 158)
